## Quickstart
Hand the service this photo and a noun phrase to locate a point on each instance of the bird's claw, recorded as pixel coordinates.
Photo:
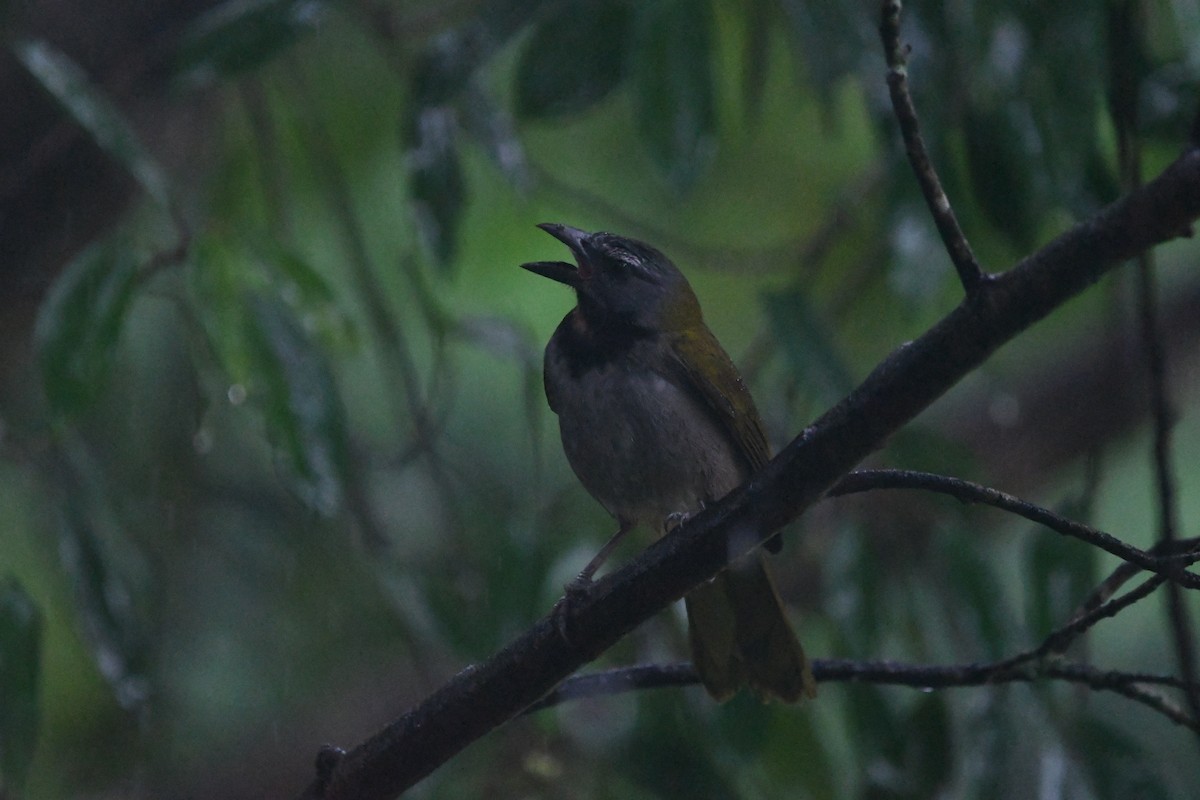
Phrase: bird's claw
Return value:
(677, 518)
(576, 589)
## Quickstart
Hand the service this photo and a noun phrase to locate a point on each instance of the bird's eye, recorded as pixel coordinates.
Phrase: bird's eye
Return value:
(630, 265)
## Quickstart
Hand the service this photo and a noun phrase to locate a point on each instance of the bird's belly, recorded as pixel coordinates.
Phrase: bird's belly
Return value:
(645, 447)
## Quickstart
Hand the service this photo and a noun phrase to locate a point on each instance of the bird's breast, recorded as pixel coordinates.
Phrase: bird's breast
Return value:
(642, 442)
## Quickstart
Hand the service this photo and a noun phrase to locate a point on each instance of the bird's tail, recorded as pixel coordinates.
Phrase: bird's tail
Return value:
(740, 636)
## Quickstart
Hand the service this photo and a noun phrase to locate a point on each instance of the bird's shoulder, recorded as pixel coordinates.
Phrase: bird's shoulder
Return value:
(697, 358)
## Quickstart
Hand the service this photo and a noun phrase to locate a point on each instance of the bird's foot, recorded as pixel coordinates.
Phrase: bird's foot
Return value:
(676, 519)
(574, 591)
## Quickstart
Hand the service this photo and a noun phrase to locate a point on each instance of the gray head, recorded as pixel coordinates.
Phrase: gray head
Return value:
(621, 281)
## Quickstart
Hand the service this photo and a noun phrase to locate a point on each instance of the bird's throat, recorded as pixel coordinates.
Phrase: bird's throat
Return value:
(589, 343)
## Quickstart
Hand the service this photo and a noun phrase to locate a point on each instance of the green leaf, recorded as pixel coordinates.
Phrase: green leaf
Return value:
(450, 61)
(113, 622)
(91, 109)
(305, 284)
(437, 189)
(220, 278)
(300, 402)
(80, 322)
(807, 343)
(309, 295)
(441, 73)
(673, 87)
(223, 275)
(574, 59)
(20, 668)
(241, 35)
(447, 65)
(488, 123)
(1002, 156)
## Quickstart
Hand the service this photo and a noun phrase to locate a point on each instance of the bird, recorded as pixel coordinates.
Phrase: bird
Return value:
(656, 422)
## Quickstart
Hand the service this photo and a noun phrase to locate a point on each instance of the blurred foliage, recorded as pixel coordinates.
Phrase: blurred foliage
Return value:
(20, 667)
(287, 483)
(80, 323)
(89, 108)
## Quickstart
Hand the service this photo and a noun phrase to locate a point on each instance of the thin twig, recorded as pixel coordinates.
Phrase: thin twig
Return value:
(617, 681)
(1059, 640)
(1183, 552)
(970, 273)
(1127, 685)
(620, 680)
(968, 492)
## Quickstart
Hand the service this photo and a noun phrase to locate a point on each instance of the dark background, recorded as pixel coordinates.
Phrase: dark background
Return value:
(274, 457)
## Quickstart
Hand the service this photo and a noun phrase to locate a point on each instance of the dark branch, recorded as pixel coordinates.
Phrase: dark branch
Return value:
(1086, 617)
(1059, 640)
(969, 272)
(967, 492)
(1182, 553)
(480, 699)
(619, 680)
(945, 677)
(829, 670)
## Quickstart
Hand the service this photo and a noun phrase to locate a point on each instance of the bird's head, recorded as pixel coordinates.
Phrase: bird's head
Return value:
(621, 281)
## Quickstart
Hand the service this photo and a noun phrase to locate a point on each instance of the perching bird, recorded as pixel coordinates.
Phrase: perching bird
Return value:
(656, 422)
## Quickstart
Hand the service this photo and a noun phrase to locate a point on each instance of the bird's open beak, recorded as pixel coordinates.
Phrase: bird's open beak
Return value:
(560, 270)
(571, 237)
(555, 270)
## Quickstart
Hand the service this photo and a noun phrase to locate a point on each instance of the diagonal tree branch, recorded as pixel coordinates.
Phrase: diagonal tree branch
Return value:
(483, 697)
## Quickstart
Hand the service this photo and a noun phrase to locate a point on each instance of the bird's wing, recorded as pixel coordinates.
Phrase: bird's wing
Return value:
(704, 364)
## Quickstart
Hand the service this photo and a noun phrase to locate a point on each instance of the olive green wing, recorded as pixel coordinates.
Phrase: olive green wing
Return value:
(705, 365)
